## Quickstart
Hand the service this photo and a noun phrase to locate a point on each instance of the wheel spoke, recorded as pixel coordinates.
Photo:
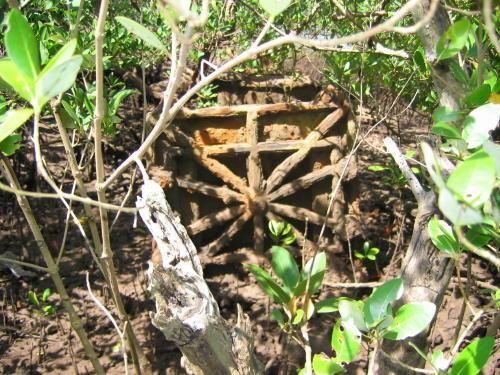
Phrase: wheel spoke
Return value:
(215, 219)
(301, 183)
(299, 213)
(282, 170)
(221, 192)
(215, 246)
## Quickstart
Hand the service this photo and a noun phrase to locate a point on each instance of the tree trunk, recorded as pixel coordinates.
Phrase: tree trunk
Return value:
(425, 272)
(186, 311)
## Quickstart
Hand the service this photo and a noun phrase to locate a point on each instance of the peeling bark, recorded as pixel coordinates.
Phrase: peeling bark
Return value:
(186, 312)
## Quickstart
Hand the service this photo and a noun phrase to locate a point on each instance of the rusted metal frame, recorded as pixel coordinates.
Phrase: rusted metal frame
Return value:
(301, 183)
(241, 110)
(215, 246)
(269, 146)
(299, 213)
(225, 194)
(282, 170)
(215, 219)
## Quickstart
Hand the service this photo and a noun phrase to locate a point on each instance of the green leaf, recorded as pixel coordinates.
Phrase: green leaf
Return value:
(323, 365)
(442, 237)
(49, 310)
(11, 144)
(276, 227)
(359, 255)
(439, 361)
(473, 357)
(352, 315)
(268, 285)
(46, 294)
(329, 305)
(377, 168)
(278, 316)
(419, 60)
(117, 100)
(446, 130)
(274, 7)
(63, 55)
(56, 81)
(479, 235)
(33, 299)
(410, 320)
(141, 32)
(494, 151)
(21, 45)
(4, 106)
(453, 40)
(299, 315)
(375, 308)
(458, 72)
(285, 267)
(318, 264)
(458, 213)
(479, 96)
(474, 179)
(445, 114)
(21, 84)
(345, 342)
(13, 120)
(480, 122)
(432, 164)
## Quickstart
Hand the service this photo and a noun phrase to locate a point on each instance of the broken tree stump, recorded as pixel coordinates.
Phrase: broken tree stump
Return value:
(186, 312)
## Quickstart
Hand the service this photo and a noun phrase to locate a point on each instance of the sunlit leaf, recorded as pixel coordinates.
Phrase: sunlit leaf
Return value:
(479, 96)
(141, 32)
(299, 315)
(442, 237)
(21, 84)
(285, 267)
(315, 267)
(21, 45)
(274, 7)
(11, 144)
(458, 213)
(445, 114)
(453, 40)
(375, 308)
(268, 285)
(352, 315)
(439, 361)
(345, 342)
(474, 179)
(323, 365)
(480, 122)
(63, 55)
(329, 305)
(472, 359)
(57, 80)
(13, 120)
(410, 320)
(445, 130)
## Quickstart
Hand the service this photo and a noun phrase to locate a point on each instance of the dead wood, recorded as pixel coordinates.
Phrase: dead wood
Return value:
(186, 312)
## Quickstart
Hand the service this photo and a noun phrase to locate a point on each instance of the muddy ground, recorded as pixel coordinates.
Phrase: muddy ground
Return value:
(32, 343)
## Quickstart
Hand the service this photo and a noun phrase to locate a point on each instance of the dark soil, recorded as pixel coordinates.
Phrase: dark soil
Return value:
(31, 343)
